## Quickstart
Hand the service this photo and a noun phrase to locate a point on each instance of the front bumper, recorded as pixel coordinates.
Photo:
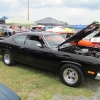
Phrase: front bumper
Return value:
(98, 76)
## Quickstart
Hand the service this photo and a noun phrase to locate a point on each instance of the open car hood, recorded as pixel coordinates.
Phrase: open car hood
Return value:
(83, 33)
(97, 35)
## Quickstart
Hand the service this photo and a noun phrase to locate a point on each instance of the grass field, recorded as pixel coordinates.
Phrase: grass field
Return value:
(31, 83)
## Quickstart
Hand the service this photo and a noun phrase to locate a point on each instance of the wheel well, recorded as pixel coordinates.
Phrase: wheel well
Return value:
(3, 51)
(73, 63)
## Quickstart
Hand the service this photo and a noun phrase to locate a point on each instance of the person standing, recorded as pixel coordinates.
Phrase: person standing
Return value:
(5, 31)
(10, 31)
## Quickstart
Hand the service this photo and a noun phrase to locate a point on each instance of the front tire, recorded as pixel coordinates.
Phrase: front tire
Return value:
(71, 75)
(7, 58)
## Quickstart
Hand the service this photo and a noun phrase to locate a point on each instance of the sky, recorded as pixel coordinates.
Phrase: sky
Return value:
(71, 11)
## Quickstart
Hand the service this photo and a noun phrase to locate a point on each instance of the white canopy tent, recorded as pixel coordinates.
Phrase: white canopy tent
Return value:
(56, 29)
(18, 21)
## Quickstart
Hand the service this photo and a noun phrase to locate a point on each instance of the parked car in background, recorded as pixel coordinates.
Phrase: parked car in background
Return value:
(50, 51)
(7, 94)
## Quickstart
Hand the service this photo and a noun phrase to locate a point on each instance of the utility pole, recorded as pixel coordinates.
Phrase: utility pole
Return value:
(28, 9)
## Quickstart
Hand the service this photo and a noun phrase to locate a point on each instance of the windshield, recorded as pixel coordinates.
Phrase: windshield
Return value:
(54, 40)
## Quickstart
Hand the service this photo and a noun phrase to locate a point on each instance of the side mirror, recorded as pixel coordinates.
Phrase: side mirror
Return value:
(39, 45)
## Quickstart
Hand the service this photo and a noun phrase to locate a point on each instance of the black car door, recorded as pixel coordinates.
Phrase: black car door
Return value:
(35, 54)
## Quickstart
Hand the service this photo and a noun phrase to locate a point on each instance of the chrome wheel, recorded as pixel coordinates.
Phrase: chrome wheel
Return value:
(7, 59)
(70, 75)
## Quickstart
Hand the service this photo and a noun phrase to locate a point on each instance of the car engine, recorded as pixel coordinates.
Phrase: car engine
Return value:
(85, 51)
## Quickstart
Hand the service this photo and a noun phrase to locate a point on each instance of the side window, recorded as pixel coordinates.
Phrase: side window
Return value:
(20, 39)
(33, 41)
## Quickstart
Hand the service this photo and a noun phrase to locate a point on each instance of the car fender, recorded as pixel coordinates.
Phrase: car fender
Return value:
(2, 51)
(71, 62)
(7, 94)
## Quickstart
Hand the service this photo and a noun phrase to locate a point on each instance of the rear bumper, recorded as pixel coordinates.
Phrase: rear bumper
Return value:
(98, 76)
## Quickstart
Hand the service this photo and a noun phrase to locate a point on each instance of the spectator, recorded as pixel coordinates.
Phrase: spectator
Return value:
(5, 32)
(10, 31)
(14, 32)
(34, 29)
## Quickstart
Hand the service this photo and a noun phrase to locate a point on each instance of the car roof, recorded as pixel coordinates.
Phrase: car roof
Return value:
(42, 33)
(37, 33)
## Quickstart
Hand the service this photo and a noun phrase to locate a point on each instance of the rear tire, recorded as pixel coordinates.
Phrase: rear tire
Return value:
(7, 59)
(71, 75)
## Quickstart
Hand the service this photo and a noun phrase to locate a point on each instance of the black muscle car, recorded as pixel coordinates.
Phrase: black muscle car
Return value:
(50, 51)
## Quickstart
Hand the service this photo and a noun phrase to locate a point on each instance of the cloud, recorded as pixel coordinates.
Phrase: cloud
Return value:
(89, 4)
(73, 12)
